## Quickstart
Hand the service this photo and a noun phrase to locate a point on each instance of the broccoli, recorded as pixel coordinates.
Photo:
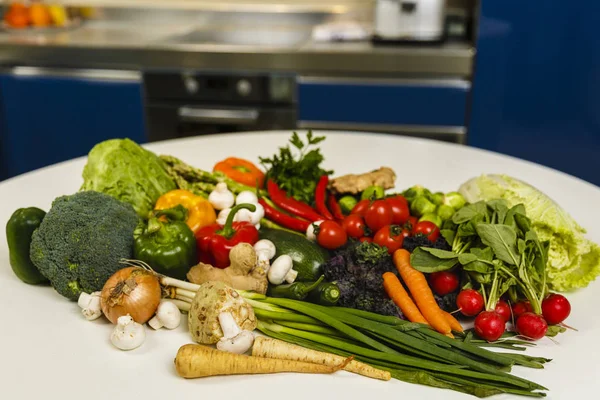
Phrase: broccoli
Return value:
(81, 240)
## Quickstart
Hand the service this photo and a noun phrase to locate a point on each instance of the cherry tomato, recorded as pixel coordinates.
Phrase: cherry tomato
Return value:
(331, 235)
(503, 309)
(555, 308)
(389, 236)
(412, 222)
(361, 207)
(470, 302)
(406, 232)
(428, 229)
(366, 239)
(354, 225)
(443, 282)
(378, 215)
(531, 326)
(400, 211)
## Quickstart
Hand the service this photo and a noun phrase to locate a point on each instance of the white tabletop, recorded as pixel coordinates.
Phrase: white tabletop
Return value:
(48, 350)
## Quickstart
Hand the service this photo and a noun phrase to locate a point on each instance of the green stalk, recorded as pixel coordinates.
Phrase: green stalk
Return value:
(385, 319)
(309, 327)
(264, 314)
(488, 390)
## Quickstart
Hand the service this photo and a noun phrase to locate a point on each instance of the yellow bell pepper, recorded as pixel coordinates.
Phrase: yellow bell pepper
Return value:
(200, 212)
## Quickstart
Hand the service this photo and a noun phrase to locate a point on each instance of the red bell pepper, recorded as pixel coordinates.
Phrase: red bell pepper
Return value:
(216, 241)
(290, 204)
(320, 196)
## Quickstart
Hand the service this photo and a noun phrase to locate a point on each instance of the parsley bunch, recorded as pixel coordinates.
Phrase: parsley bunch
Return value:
(297, 176)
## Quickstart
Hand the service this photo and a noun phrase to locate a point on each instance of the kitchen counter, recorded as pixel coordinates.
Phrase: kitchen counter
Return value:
(123, 45)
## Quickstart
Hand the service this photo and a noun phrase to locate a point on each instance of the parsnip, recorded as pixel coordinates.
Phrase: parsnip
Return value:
(197, 361)
(273, 348)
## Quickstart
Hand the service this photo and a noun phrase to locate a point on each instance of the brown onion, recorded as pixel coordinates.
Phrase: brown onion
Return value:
(132, 290)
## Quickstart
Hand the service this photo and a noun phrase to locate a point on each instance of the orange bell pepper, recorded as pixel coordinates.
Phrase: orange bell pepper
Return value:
(241, 171)
(200, 212)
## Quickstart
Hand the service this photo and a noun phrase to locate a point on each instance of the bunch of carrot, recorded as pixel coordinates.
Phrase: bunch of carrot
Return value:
(426, 310)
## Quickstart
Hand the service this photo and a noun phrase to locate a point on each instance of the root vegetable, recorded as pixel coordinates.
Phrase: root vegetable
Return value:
(273, 348)
(197, 361)
(212, 299)
(355, 184)
(234, 339)
(242, 274)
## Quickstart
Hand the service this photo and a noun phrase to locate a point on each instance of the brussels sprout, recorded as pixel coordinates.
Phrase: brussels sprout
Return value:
(421, 205)
(445, 212)
(437, 198)
(414, 192)
(432, 217)
(347, 203)
(373, 192)
(454, 200)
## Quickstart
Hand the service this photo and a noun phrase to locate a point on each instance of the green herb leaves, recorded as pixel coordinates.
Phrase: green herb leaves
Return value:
(297, 176)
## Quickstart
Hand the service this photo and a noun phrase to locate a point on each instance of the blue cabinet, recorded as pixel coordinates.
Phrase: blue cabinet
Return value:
(536, 89)
(427, 107)
(48, 116)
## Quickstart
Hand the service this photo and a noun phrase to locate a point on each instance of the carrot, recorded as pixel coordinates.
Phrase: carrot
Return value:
(421, 293)
(273, 348)
(396, 292)
(454, 324)
(197, 361)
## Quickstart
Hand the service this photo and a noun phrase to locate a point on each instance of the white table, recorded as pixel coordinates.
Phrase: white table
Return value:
(47, 349)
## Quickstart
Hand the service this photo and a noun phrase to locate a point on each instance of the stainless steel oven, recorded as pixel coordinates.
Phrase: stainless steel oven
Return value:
(192, 103)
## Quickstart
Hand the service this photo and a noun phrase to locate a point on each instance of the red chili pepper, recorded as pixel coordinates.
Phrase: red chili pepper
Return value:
(287, 221)
(216, 241)
(290, 204)
(321, 195)
(335, 208)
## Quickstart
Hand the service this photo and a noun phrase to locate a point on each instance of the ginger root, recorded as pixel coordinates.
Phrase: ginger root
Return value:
(355, 184)
(243, 273)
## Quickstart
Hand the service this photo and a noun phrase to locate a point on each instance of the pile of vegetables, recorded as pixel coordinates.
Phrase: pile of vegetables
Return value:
(339, 273)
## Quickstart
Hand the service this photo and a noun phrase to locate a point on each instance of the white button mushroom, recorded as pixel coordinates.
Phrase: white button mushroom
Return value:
(167, 315)
(281, 270)
(221, 198)
(222, 217)
(128, 334)
(90, 305)
(234, 339)
(265, 250)
(310, 231)
(253, 217)
(246, 197)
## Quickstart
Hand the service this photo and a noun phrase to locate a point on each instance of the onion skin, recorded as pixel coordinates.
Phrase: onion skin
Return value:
(132, 291)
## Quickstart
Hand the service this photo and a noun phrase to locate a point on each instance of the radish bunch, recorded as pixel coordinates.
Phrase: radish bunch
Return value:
(491, 324)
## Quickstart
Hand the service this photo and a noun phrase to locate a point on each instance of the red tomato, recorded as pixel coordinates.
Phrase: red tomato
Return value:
(361, 207)
(412, 222)
(366, 239)
(389, 236)
(331, 235)
(378, 215)
(443, 282)
(355, 226)
(400, 211)
(428, 229)
(406, 233)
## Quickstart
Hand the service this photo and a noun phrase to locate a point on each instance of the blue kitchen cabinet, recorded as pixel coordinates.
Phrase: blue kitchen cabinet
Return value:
(423, 107)
(48, 116)
(536, 89)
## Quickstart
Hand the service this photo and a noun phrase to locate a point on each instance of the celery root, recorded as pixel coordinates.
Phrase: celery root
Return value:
(273, 348)
(197, 361)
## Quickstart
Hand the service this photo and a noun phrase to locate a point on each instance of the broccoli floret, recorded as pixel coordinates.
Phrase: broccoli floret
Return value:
(81, 240)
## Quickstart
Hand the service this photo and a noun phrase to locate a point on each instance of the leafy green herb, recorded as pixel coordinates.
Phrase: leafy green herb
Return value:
(424, 260)
(297, 176)
(503, 241)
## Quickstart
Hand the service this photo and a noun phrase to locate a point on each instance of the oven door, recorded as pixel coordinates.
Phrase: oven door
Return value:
(167, 121)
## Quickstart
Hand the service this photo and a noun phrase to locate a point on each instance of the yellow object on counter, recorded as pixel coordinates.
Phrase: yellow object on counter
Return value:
(200, 212)
(58, 14)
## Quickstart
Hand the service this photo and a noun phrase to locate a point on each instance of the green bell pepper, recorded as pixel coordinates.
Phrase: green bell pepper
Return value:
(168, 246)
(19, 229)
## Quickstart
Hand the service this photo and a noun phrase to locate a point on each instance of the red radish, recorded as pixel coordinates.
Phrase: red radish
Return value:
(532, 326)
(470, 302)
(489, 325)
(555, 308)
(521, 308)
(503, 309)
(443, 282)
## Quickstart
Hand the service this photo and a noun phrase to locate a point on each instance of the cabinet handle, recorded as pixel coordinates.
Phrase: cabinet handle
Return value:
(91, 74)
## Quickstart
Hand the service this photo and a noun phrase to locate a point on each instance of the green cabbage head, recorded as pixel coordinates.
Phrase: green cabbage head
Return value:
(126, 171)
(573, 260)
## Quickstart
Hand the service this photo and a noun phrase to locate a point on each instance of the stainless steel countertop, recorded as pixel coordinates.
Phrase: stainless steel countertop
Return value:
(151, 45)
